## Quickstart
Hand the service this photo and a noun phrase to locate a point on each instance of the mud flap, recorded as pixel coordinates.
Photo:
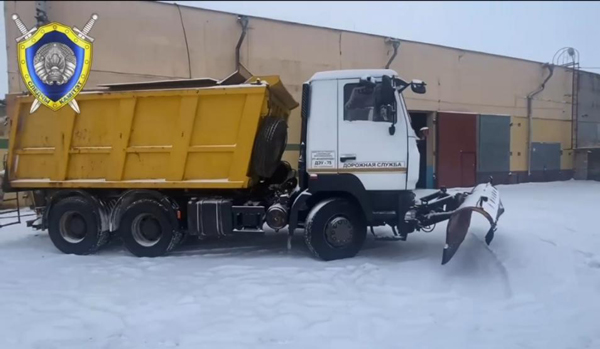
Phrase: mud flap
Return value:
(483, 199)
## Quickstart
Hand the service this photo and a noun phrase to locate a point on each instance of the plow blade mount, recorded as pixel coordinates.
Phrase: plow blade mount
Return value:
(483, 199)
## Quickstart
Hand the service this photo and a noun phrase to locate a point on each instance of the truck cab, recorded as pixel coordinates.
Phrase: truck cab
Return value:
(359, 149)
(354, 128)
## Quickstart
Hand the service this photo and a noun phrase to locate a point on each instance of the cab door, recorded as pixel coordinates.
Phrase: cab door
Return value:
(366, 148)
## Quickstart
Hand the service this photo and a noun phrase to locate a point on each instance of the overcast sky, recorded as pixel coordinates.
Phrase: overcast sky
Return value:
(530, 30)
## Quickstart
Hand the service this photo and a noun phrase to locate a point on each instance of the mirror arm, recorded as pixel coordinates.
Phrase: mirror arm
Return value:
(392, 128)
(403, 88)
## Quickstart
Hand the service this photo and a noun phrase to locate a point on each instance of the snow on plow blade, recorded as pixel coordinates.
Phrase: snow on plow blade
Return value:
(483, 199)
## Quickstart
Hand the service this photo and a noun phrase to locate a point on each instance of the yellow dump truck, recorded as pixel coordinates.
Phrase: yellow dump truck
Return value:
(151, 162)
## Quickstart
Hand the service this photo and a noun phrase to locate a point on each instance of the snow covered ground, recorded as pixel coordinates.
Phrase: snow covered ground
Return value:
(536, 286)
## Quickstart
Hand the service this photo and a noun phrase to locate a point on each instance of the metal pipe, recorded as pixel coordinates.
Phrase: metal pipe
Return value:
(530, 114)
(41, 13)
(244, 22)
(560, 58)
(575, 99)
(573, 108)
(434, 218)
(395, 45)
(433, 196)
(187, 47)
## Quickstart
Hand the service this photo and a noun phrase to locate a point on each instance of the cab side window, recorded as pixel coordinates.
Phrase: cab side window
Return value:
(365, 103)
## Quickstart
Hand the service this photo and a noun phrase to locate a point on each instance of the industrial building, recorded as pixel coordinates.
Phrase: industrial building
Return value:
(486, 113)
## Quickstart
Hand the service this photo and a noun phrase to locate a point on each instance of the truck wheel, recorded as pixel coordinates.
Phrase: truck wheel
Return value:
(269, 146)
(149, 229)
(74, 226)
(335, 229)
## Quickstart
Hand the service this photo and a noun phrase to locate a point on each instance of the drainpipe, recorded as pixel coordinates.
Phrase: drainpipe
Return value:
(243, 20)
(574, 102)
(395, 44)
(530, 116)
(41, 13)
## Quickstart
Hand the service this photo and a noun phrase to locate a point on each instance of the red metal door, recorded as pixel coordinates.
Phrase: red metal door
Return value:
(456, 149)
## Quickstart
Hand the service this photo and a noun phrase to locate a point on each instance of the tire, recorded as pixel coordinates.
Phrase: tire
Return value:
(74, 226)
(269, 146)
(340, 244)
(149, 229)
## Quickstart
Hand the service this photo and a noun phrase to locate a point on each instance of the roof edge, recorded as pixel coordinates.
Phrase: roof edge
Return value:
(172, 3)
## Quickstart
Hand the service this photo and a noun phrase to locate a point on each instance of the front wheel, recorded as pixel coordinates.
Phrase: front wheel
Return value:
(335, 229)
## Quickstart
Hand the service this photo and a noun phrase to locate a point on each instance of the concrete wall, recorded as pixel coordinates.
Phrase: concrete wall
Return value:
(138, 41)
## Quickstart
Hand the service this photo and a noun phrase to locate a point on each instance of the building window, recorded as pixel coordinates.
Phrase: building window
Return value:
(365, 103)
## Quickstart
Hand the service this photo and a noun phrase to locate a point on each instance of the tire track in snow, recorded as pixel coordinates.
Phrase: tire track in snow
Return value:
(500, 266)
(547, 241)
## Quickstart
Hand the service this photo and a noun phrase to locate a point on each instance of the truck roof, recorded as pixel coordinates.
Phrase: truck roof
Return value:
(352, 74)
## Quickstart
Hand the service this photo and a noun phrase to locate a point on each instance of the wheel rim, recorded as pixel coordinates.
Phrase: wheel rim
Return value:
(146, 230)
(73, 227)
(339, 232)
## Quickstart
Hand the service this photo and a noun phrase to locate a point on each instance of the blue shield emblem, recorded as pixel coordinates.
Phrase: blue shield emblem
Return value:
(55, 63)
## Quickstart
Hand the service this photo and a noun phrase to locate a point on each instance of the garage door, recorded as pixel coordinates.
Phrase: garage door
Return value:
(494, 148)
(456, 149)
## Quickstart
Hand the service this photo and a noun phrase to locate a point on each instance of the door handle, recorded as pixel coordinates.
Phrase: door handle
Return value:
(346, 158)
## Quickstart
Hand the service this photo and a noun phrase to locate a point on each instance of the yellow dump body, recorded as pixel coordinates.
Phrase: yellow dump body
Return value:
(172, 138)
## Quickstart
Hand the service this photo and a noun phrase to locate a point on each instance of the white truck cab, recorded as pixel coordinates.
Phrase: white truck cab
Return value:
(348, 130)
(359, 163)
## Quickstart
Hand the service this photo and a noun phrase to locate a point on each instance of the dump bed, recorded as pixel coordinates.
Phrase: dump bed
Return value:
(152, 138)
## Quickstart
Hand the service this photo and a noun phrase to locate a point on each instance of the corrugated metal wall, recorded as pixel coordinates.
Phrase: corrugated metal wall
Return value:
(588, 111)
(587, 138)
(594, 165)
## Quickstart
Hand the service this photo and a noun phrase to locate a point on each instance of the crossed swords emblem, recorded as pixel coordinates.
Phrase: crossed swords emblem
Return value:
(27, 33)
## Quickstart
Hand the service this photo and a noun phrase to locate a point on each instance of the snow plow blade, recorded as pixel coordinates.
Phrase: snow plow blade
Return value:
(483, 199)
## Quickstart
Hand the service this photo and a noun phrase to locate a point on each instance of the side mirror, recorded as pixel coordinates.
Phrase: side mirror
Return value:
(424, 132)
(392, 129)
(390, 111)
(418, 86)
(388, 98)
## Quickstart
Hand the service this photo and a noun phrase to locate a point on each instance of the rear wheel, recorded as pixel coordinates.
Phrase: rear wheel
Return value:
(335, 229)
(149, 229)
(74, 226)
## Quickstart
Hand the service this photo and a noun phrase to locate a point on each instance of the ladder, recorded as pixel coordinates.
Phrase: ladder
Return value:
(10, 213)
